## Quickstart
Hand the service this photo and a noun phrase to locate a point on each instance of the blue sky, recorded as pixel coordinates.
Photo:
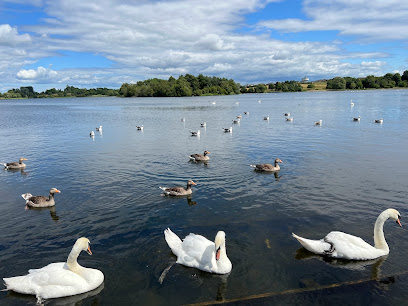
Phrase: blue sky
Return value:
(105, 43)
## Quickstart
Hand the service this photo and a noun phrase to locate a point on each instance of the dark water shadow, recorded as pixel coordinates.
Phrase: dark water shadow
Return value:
(52, 209)
(21, 170)
(274, 173)
(69, 300)
(199, 162)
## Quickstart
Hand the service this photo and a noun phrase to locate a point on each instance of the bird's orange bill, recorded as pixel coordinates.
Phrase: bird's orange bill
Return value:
(217, 254)
(89, 250)
(194, 183)
(399, 223)
(58, 191)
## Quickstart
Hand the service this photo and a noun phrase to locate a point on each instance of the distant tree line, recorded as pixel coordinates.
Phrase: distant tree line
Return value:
(270, 87)
(69, 91)
(389, 80)
(187, 85)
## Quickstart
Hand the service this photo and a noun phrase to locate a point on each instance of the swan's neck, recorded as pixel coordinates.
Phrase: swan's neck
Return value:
(379, 239)
(223, 262)
(72, 261)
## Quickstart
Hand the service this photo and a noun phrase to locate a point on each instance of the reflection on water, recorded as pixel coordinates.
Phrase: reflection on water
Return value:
(329, 181)
(22, 171)
(52, 209)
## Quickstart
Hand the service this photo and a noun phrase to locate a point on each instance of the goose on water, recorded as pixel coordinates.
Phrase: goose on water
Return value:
(320, 122)
(246, 113)
(183, 119)
(287, 114)
(92, 134)
(342, 245)
(196, 251)
(200, 157)
(239, 116)
(289, 118)
(178, 191)
(236, 121)
(195, 133)
(40, 201)
(266, 118)
(268, 167)
(204, 124)
(379, 120)
(139, 127)
(99, 129)
(228, 130)
(356, 118)
(16, 165)
(58, 279)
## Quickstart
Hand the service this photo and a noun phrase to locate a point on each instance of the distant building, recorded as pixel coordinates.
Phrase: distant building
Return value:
(305, 79)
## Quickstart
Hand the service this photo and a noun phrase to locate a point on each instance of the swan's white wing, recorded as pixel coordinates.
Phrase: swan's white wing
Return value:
(198, 252)
(352, 247)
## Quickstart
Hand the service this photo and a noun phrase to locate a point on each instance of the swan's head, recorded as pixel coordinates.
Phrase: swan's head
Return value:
(84, 245)
(54, 190)
(190, 182)
(219, 242)
(394, 215)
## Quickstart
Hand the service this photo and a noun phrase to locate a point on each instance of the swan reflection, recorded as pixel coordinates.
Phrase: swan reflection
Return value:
(69, 300)
(303, 254)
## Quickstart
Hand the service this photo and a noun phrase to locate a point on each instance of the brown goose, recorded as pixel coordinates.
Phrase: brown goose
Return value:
(18, 165)
(199, 157)
(268, 167)
(40, 201)
(178, 191)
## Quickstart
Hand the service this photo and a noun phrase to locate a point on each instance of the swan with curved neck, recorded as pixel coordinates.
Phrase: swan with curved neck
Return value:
(59, 279)
(342, 245)
(196, 251)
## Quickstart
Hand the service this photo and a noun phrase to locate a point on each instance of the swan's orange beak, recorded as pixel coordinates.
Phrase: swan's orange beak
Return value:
(398, 222)
(217, 253)
(89, 250)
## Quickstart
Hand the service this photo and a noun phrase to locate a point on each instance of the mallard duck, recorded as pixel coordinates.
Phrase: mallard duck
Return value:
(199, 157)
(342, 245)
(379, 120)
(59, 279)
(268, 167)
(18, 165)
(178, 191)
(40, 201)
(356, 118)
(196, 251)
(320, 122)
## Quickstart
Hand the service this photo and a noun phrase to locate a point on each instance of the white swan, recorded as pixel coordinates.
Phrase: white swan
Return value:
(198, 252)
(342, 245)
(58, 279)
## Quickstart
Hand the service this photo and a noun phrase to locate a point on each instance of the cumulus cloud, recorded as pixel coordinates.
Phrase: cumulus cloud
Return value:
(39, 75)
(9, 36)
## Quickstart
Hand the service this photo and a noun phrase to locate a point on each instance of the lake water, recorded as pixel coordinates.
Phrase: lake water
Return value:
(339, 176)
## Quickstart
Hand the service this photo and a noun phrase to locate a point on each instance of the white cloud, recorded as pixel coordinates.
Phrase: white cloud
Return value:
(39, 75)
(10, 37)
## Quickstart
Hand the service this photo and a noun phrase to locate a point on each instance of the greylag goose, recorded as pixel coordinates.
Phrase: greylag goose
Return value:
(92, 134)
(266, 118)
(320, 122)
(199, 157)
(268, 167)
(99, 129)
(228, 130)
(196, 251)
(139, 127)
(18, 165)
(40, 201)
(379, 120)
(239, 116)
(178, 191)
(195, 133)
(342, 245)
(236, 121)
(289, 118)
(203, 124)
(356, 118)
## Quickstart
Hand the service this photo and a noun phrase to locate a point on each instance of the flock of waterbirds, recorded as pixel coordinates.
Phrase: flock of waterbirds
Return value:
(69, 278)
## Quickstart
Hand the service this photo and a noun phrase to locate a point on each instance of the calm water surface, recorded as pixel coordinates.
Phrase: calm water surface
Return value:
(339, 176)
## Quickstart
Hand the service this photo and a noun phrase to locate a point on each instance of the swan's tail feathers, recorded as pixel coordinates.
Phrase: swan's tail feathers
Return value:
(5, 165)
(253, 166)
(172, 240)
(315, 246)
(26, 196)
